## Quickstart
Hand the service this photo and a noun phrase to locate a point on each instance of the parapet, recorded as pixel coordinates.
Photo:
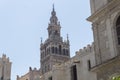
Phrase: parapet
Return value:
(4, 58)
(34, 69)
(31, 73)
(88, 49)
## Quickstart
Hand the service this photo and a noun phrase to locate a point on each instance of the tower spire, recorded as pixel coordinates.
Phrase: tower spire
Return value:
(67, 37)
(53, 7)
(53, 13)
(53, 19)
(41, 40)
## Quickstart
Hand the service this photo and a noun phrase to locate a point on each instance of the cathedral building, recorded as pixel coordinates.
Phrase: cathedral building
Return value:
(98, 61)
(53, 51)
(5, 68)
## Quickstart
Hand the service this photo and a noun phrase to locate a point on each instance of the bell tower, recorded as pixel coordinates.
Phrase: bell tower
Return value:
(54, 50)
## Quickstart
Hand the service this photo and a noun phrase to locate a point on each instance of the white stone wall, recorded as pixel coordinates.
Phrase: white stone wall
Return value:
(85, 54)
(31, 75)
(104, 30)
(25, 77)
(97, 4)
(63, 71)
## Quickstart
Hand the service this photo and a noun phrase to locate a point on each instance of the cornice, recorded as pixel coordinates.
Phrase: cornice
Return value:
(107, 63)
(104, 10)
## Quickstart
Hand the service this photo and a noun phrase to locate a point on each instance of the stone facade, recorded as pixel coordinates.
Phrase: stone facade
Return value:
(105, 24)
(81, 61)
(33, 74)
(5, 68)
(56, 63)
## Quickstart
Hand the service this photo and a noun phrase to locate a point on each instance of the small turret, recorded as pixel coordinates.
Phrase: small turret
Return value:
(67, 38)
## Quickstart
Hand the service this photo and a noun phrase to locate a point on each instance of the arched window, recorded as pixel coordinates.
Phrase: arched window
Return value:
(118, 29)
(67, 52)
(49, 50)
(64, 52)
(45, 68)
(60, 49)
(45, 51)
(52, 49)
(56, 50)
(43, 54)
(56, 32)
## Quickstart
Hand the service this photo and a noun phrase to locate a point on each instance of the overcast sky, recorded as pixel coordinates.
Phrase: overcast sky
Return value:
(24, 22)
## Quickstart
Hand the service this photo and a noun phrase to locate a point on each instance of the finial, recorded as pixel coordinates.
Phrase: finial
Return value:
(53, 18)
(30, 69)
(53, 12)
(53, 6)
(4, 55)
(17, 77)
(67, 37)
(41, 40)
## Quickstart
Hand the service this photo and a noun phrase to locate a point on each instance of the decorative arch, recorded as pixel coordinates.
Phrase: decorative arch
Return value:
(117, 27)
(115, 32)
(60, 49)
(56, 50)
(53, 49)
